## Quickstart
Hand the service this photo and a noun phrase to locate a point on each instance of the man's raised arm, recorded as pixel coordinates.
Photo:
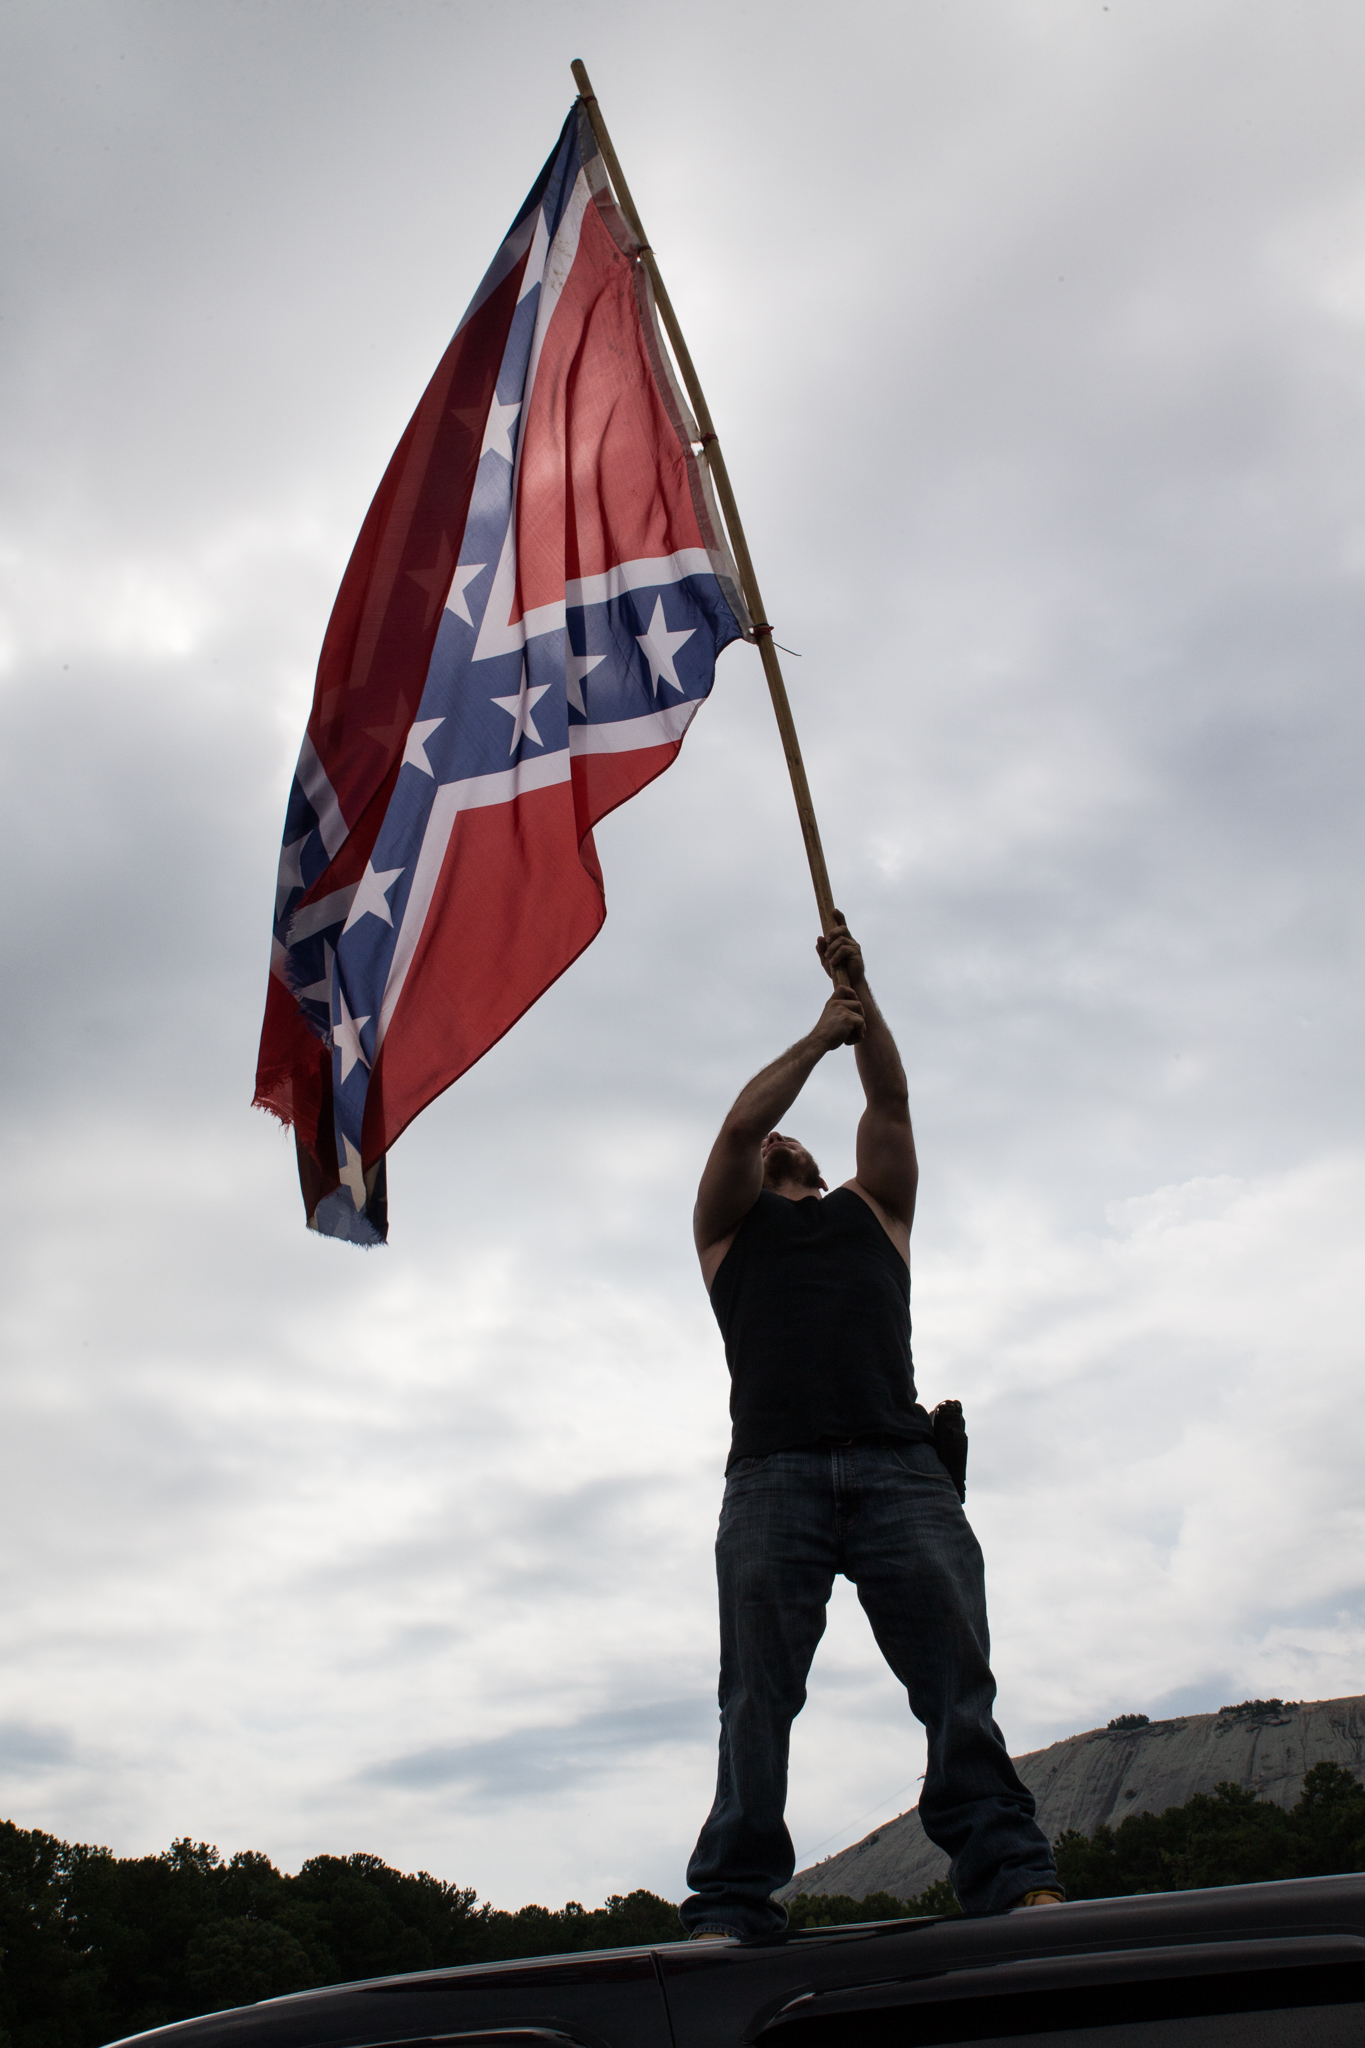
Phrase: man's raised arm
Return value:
(888, 1170)
(733, 1176)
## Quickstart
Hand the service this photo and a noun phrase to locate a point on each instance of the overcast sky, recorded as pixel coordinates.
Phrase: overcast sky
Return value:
(1035, 330)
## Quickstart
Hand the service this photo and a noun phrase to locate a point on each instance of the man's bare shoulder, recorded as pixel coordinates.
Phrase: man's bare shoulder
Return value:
(898, 1232)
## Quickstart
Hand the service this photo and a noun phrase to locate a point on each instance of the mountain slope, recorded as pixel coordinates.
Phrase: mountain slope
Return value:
(1104, 1775)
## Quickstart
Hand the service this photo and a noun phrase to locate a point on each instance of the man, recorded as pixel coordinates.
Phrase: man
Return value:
(832, 1469)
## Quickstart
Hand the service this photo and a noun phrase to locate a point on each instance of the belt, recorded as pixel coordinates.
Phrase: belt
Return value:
(848, 1443)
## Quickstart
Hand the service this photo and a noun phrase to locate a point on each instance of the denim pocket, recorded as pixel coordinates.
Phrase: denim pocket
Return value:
(920, 1461)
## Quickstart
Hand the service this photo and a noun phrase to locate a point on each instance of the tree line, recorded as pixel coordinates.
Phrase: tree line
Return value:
(94, 1946)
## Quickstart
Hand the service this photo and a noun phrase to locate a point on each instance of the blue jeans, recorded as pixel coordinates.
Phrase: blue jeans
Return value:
(887, 1516)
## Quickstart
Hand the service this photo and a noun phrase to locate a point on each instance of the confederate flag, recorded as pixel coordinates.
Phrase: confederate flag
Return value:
(529, 620)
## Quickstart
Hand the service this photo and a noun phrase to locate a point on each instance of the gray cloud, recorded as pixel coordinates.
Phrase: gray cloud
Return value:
(536, 1763)
(24, 1748)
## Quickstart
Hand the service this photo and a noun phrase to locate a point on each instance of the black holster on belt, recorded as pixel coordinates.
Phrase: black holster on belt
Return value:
(950, 1442)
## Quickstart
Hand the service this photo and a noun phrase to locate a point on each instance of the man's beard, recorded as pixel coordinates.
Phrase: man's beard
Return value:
(784, 1162)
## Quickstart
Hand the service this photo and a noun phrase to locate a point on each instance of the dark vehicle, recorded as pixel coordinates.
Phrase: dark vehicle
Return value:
(1246, 1966)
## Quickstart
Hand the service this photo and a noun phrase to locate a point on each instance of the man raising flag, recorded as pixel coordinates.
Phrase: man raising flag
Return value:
(833, 1469)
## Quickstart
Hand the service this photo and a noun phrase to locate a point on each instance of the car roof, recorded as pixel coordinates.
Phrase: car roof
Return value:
(719, 1992)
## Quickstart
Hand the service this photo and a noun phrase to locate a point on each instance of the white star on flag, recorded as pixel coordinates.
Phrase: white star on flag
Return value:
(346, 1037)
(456, 601)
(291, 871)
(353, 1175)
(371, 896)
(520, 708)
(415, 752)
(577, 668)
(660, 646)
(496, 435)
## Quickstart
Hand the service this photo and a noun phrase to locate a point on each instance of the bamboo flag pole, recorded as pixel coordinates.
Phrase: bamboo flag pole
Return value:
(715, 460)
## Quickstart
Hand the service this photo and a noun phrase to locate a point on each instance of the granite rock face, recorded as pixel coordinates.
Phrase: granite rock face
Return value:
(1098, 1778)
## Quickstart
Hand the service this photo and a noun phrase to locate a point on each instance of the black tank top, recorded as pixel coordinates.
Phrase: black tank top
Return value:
(813, 1301)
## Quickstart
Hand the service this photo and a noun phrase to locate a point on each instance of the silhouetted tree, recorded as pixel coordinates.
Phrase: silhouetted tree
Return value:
(1229, 1837)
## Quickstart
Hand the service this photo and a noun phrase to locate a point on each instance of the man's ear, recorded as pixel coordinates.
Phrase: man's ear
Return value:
(825, 1185)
